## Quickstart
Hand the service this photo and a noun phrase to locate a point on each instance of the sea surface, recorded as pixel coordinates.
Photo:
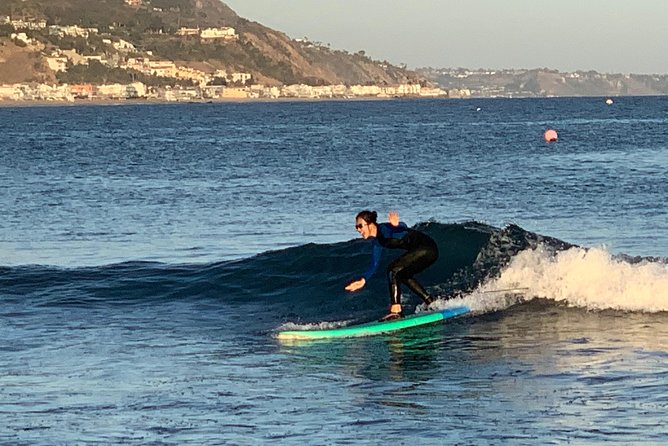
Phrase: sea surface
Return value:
(149, 254)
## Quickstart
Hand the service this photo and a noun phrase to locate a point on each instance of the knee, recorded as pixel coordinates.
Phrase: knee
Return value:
(394, 274)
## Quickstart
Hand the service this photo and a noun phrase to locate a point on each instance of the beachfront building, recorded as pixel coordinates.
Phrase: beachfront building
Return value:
(111, 91)
(297, 91)
(262, 91)
(44, 92)
(459, 93)
(82, 91)
(39, 92)
(122, 91)
(235, 93)
(180, 94)
(432, 92)
(11, 92)
(135, 90)
(339, 91)
(365, 90)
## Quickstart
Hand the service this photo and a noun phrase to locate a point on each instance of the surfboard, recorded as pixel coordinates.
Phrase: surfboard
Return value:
(374, 328)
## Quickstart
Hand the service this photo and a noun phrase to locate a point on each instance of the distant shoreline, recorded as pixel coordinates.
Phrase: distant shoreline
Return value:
(121, 102)
(126, 102)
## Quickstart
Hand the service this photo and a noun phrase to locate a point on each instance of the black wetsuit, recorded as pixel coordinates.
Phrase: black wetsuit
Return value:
(421, 252)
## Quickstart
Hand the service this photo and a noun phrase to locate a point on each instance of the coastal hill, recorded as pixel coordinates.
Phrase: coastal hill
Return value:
(193, 44)
(161, 29)
(544, 82)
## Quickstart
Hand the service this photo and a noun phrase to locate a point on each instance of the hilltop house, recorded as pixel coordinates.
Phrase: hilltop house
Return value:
(71, 30)
(240, 78)
(187, 31)
(225, 33)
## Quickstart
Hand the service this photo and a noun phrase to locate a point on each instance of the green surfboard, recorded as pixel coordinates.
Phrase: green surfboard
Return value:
(374, 328)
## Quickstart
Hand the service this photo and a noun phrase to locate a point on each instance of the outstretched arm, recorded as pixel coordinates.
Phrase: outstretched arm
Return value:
(375, 260)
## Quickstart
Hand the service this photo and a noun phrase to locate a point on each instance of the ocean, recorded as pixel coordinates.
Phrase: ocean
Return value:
(150, 253)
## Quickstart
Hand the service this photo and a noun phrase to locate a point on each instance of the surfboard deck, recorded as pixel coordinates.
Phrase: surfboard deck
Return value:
(374, 328)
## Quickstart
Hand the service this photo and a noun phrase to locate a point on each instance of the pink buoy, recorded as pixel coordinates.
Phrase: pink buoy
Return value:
(550, 135)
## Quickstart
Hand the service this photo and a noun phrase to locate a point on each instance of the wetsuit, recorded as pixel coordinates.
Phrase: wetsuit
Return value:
(421, 253)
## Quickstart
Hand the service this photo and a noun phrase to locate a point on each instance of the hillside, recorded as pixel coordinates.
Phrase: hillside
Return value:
(19, 64)
(545, 82)
(150, 15)
(270, 56)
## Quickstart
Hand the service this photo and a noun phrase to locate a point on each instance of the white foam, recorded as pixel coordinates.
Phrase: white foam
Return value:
(290, 326)
(589, 278)
(482, 300)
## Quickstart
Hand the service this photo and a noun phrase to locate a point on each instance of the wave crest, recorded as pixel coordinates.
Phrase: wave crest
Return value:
(589, 278)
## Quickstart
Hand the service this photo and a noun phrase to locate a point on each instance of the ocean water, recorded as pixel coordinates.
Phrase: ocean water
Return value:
(150, 253)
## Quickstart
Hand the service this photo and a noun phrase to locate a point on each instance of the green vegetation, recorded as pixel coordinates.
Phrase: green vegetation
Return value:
(97, 73)
(6, 30)
(165, 15)
(151, 27)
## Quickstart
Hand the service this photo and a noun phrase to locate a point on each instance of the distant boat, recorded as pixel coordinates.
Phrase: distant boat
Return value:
(608, 101)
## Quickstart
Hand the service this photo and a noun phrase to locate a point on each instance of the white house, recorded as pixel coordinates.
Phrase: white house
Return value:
(10, 92)
(22, 24)
(135, 90)
(161, 68)
(226, 33)
(187, 31)
(241, 78)
(123, 45)
(112, 91)
(57, 63)
(21, 37)
(365, 90)
(72, 31)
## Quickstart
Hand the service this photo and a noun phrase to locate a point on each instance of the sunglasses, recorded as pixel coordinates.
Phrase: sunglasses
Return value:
(359, 225)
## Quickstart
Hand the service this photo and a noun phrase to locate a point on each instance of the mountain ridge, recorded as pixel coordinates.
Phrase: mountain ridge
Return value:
(271, 56)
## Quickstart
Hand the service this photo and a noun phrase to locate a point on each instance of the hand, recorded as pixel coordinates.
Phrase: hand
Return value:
(356, 284)
(393, 218)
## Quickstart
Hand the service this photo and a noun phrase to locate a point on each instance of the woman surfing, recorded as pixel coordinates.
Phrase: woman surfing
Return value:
(421, 252)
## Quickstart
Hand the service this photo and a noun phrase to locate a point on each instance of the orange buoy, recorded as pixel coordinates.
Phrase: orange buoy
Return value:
(550, 135)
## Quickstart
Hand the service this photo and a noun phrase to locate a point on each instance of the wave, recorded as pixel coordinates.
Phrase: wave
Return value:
(485, 267)
(589, 278)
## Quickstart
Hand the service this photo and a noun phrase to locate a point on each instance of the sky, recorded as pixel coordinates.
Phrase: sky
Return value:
(609, 36)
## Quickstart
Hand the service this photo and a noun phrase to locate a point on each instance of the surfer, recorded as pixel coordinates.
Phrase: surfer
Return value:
(421, 252)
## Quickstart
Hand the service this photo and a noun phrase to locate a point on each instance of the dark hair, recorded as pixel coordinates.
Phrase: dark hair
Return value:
(368, 216)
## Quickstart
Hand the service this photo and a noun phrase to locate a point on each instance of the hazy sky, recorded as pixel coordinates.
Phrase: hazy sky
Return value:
(612, 36)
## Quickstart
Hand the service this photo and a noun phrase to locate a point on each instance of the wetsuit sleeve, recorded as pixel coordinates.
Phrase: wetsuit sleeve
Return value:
(377, 250)
(390, 236)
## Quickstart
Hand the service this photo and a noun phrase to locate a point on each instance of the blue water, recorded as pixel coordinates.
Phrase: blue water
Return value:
(149, 254)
